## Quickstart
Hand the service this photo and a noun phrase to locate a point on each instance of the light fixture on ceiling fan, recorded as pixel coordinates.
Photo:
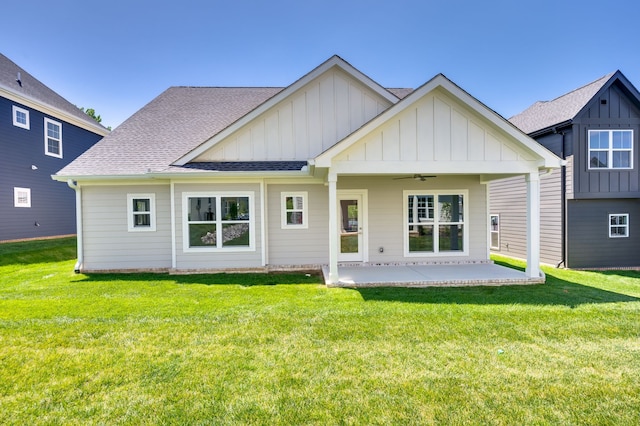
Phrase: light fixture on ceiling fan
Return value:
(419, 177)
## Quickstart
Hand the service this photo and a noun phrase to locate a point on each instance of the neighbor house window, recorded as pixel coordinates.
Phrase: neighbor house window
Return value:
(610, 149)
(618, 225)
(142, 211)
(435, 223)
(495, 231)
(52, 138)
(294, 210)
(20, 117)
(219, 220)
(21, 197)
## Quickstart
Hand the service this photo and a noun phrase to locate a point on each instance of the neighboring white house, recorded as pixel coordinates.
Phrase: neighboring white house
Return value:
(333, 168)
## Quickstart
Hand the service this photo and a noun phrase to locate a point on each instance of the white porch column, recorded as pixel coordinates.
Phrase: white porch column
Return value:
(333, 227)
(533, 225)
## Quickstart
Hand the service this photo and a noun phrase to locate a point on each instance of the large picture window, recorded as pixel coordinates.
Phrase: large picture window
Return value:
(435, 223)
(610, 149)
(218, 221)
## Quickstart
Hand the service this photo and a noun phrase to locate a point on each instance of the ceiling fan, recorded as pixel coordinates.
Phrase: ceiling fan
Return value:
(419, 177)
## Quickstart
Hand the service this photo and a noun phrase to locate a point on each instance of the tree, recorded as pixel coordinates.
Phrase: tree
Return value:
(92, 113)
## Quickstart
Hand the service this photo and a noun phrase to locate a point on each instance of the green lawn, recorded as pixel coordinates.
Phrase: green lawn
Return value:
(284, 349)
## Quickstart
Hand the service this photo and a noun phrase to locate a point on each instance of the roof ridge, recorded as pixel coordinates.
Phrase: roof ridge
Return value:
(584, 86)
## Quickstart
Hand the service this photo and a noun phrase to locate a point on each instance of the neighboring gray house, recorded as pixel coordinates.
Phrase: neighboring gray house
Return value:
(40, 132)
(333, 168)
(590, 215)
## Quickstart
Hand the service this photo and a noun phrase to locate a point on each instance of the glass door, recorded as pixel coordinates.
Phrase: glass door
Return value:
(350, 226)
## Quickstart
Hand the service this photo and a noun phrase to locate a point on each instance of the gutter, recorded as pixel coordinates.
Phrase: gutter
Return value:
(79, 234)
(244, 175)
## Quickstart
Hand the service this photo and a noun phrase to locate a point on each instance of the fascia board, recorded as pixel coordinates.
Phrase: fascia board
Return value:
(327, 65)
(52, 111)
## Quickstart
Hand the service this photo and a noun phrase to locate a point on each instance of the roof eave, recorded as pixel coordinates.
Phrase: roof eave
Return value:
(52, 111)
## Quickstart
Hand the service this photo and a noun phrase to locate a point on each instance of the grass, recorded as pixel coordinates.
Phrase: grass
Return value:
(284, 349)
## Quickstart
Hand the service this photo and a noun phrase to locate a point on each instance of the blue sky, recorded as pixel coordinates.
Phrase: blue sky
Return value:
(115, 56)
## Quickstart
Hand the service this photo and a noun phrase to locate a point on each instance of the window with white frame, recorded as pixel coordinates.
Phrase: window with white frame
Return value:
(494, 227)
(221, 220)
(435, 223)
(21, 197)
(610, 149)
(141, 212)
(52, 138)
(618, 225)
(294, 210)
(20, 117)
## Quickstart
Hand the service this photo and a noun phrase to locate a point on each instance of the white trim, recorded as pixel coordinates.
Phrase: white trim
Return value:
(15, 110)
(264, 231)
(625, 225)
(96, 128)
(172, 203)
(58, 139)
(609, 150)
(218, 195)
(363, 223)
(131, 226)
(465, 223)
(491, 231)
(304, 210)
(19, 195)
(533, 225)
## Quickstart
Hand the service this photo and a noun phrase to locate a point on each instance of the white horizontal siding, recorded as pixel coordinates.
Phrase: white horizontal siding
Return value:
(107, 242)
(299, 246)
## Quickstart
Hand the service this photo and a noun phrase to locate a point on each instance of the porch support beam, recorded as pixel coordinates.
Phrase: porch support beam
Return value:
(332, 179)
(533, 225)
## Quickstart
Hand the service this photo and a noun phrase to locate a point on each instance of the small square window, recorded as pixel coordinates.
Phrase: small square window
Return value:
(22, 197)
(294, 210)
(52, 138)
(21, 117)
(618, 225)
(141, 212)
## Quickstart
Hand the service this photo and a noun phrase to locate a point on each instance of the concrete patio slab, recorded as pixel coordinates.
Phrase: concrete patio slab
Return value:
(436, 275)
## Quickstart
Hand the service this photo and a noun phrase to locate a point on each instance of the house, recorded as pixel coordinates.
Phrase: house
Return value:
(331, 170)
(591, 207)
(40, 132)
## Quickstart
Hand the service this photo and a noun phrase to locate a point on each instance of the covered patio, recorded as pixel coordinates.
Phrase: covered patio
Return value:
(428, 275)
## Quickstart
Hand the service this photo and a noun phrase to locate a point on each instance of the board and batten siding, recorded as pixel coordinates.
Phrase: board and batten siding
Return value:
(508, 198)
(438, 130)
(107, 243)
(610, 111)
(305, 124)
(588, 232)
(298, 247)
(221, 259)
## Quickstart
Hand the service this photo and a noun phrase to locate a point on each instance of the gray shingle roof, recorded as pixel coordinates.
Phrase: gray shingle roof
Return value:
(175, 122)
(544, 114)
(34, 90)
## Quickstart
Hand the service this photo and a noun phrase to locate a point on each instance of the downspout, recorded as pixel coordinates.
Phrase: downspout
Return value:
(563, 203)
(79, 235)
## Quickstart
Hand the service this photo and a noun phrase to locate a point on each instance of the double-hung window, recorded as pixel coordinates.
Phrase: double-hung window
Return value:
(142, 211)
(618, 225)
(610, 149)
(52, 138)
(294, 210)
(435, 223)
(20, 117)
(218, 221)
